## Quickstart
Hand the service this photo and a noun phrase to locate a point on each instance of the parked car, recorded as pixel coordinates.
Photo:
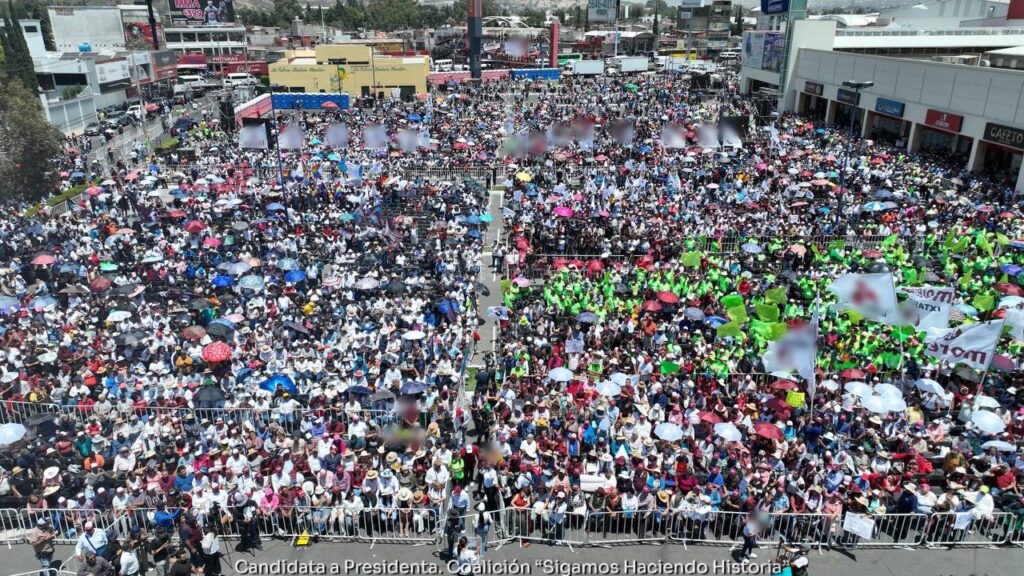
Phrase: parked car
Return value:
(117, 119)
(93, 129)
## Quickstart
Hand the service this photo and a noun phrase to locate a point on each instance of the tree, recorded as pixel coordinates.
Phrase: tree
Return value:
(737, 24)
(19, 59)
(27, 143)
(37, 10)
(532, 17)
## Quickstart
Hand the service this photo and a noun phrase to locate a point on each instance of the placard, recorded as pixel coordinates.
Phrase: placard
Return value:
(859, 524)
(795, 398)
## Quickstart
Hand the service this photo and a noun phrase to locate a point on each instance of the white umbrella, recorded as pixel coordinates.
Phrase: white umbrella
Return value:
(999, 445)
(728, 431)
(118, 315)
(874, 403)
(986, 402)
(560, 374)
(988, 422)
(857, 388)
(619, 378)
(413, 335)
(608, 388)
(929, 385)
(830, 385)
(11, 433)
(888, 390)
(668, 431)
(894, 404)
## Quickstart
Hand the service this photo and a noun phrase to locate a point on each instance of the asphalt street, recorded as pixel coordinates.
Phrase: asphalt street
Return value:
(280, 557)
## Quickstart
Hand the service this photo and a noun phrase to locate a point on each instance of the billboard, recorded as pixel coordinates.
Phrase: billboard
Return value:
(164, 64)
(113, 75)
(774, 6)
(774, 48)
(201, 12)
(103, 32)
(139, 35)
(602, 10)
(753, 49)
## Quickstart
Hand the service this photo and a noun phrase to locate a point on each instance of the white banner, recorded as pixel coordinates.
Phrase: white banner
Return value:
(291, 138)
(337, 136)
(971, 344)
(707, 137)
(796, 350)
(253, 137)
(730, 137)
(872, 295)
(860, 524)
(927, 307)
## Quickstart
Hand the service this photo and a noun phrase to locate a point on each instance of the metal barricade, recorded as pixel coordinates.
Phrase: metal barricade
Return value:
(607, 528)
(13, 526)
(951, 529)
(528, 524)
(716, 527)
(18, 411)
(891, 531)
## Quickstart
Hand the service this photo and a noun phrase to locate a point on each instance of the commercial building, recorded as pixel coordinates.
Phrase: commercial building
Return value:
(352, 69)
(102, 28)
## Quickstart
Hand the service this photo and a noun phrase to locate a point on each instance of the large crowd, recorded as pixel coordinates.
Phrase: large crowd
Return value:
(198, 349)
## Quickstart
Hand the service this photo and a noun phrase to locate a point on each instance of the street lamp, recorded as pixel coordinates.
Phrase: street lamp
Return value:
(856, 87)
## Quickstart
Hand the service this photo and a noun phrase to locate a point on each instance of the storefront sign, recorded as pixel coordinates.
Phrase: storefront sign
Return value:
(890, 107)
(1005, 135)
(943, 120)
(848, 97)
(228, 59)
(814, 88)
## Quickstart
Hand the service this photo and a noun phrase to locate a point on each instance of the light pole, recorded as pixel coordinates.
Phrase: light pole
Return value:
(856, 87)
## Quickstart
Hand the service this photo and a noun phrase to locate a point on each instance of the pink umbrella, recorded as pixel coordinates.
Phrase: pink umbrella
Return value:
(521, 282)
(211, 242)
(761, 166)
(217, 352)
(194, 226)
(94, 190)
(563, 211)
(43, 260)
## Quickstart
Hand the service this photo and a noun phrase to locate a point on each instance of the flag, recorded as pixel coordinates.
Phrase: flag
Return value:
(691, 259)
(424, 138)
(926, 307)
(337, 136)
(291, 137)
(253, 137)
(776, 295)
(767, 312)
(1015, 320)
(971, 344)
(871, 295)
(794, 351)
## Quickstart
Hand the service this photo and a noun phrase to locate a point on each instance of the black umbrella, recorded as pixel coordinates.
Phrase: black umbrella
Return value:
(125, 290)
(395, 287)
(296, 326)
(130, 339)
(200, 304)
(382, 396)
(74, 290)
(219, 330)
(481, 288)
(878, 267)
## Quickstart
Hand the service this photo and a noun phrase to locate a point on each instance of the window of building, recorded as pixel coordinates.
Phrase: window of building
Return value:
(30, 29)
(173, 36)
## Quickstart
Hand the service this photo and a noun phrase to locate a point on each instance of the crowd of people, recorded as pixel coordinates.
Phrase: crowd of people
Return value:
(265, 343)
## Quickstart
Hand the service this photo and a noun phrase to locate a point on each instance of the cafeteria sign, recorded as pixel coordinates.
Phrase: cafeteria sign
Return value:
(1005, 135)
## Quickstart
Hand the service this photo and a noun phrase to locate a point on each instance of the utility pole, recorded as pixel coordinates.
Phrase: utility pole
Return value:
(152, 24)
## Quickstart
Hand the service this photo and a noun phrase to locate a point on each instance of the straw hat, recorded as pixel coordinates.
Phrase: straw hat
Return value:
(664, 496)
(404, 494)
(371, 475)
(51, 473)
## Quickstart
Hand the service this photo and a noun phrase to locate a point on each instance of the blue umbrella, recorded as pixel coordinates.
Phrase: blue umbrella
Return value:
(752, 248)
(242, 375)
(279, 381)
(42, 302)
(873, 206)
(346, 217)
(414, 117)
(333, 157)
(223, 322)
(288, 264)
(473, 220)
(359, 391)
(9, 304)
(486, 218)
(295, 276)
(413, 387)
(251, 282)
(275, 206)
(473, 233)
(820, 130)
(715, 321)
(223, 281)
(77, 174)
(587, 317)
(1011, 269)
(237, 268)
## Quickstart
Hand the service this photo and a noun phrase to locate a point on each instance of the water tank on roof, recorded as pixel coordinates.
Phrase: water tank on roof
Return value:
(85, 47)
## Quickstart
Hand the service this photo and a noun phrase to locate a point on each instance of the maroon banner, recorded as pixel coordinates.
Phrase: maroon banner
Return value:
(943, 120)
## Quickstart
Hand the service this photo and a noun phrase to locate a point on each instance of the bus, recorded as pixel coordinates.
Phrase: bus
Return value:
(564, 59)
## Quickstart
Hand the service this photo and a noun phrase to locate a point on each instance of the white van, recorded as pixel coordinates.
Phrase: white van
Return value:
(191, 83)
(728, 55)
(444, 65)
(240, 79)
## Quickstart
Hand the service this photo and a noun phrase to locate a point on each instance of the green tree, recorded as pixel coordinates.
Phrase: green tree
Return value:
(27, 143)
(532, 17)
(37, 10)
(19, 59)
(737, 22)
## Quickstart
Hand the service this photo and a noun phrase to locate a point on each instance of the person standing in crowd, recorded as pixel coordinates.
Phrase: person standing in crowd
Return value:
(41, 538)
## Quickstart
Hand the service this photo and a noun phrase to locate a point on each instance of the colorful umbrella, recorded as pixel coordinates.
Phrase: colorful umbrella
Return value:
(217, 352)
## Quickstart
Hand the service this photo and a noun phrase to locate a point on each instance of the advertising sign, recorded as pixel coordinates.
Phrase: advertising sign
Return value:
(753, 49)
(814, 88)
(774, 6)
(201, 12)
(1005, 135)
(943, 120)
(774, 47)
(601, 10)
(850, 97)
(165, 65)
(139, 35)
(890, 107)
(113, 75)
